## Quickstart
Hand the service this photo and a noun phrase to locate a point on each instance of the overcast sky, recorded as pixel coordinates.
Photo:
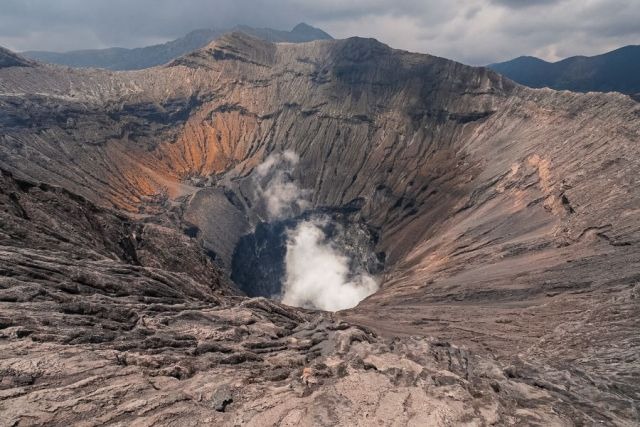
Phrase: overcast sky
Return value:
(475, 32)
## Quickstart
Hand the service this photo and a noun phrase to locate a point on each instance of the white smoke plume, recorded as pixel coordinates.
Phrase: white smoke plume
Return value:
(317, 272)
(275, 187)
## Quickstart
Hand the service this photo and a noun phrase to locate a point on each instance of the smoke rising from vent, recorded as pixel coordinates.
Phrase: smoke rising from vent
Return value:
(318, 273)
(275, 188)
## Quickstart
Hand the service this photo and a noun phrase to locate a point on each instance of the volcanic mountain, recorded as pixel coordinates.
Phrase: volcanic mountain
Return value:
(507, 220)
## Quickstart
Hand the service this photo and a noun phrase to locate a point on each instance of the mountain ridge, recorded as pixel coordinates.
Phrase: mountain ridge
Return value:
(617, 70)
(118, 58)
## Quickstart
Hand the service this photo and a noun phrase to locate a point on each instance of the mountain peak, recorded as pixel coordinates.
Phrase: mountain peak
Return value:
(528, 58)
(303, 26)
(309, 31)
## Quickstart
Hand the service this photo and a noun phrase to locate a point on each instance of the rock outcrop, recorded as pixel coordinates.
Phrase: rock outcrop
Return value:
(509, 219)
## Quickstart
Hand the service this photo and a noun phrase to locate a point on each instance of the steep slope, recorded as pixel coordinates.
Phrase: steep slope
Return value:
(509, 217)
(10, 59)
(617, 70)
(118, 58)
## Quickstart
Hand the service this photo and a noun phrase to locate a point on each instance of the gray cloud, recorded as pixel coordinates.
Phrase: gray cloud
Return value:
(470, 31)
(519, 4)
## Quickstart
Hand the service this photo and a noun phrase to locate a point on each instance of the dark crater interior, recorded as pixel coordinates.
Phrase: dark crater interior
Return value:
(258, 265)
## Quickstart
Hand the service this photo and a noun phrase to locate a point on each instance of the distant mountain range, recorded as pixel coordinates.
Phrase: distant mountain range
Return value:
(618, 71)
(117, 58)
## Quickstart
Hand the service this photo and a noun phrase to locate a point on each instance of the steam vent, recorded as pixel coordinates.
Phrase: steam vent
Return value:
(332, 232)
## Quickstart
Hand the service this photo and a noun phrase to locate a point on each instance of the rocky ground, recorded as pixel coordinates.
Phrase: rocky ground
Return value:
(92, 333)
(509, 219)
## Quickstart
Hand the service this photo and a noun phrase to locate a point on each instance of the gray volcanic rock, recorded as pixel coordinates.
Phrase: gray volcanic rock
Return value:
(118, 58)
(509, 218)
(10, 59)
(88, 335)
(38, 216)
